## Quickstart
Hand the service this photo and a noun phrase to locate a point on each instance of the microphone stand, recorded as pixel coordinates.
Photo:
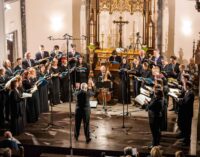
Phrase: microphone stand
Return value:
(124, 128)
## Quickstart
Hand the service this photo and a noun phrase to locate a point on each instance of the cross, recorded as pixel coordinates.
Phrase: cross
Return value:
(120, 23)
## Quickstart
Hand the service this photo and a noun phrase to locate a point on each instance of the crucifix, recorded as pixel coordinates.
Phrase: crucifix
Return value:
(120, 23)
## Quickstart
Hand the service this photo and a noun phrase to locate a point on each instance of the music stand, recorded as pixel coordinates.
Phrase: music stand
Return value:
(104, 85)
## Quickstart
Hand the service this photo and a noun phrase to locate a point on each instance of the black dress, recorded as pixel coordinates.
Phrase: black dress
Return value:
(82, 73)
(64, 84)
(31, 109)
(124, 86)
(17, 126)
(43, 94)
(55, 86)
(136, 84)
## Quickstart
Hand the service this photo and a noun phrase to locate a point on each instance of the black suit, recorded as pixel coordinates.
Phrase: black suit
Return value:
(41, 55)
(185, 114)
(157, 61)
(173, 70)
(82, 112)
(155, 116)
(18, 68)
(115, 58)
(26, 64)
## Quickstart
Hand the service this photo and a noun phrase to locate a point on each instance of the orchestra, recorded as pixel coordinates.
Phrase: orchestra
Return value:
(148, 81)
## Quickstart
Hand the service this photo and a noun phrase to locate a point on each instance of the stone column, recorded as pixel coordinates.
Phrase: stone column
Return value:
(2, 33)
(23, 25)
(159, 24)
(171, 4)
(76, 5)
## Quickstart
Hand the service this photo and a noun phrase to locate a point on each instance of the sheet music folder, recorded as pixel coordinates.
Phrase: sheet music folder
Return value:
(105, 84)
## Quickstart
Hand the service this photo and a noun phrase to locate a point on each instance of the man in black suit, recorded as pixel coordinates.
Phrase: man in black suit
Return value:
(73, 56)
(42, 53)
(27, 62)
(18, 64)
(157, 58)
(186, 113)
(142, 57)
(8, 69)
(56, 52)
(115, 58)
(155, 115)
(82, 111)
(173, 68)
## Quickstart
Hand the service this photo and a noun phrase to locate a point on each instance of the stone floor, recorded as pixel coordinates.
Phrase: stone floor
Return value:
(106, 129)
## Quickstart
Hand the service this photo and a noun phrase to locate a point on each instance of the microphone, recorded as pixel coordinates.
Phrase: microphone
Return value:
(67, 35)
(50, 37)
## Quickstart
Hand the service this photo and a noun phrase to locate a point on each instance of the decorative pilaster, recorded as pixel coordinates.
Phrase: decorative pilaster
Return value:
(23, 25)
(2, 33)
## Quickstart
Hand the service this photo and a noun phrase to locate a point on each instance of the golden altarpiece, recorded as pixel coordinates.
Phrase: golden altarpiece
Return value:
(115, 32)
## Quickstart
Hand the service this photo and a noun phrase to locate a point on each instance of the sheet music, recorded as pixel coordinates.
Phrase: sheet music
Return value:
(173, 95)
(144, 92)
(175, 91)
(142, 98)
(93, 103)
(33, 89)
(26, 95)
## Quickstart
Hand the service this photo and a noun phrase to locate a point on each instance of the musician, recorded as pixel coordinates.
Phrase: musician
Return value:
(186, 113)
(104, 75)
(55, 82)
(155, 115)
(43, 89)
(64, 81)
(2, 96)
(42, 53)
(82, 111)
(115, 59)
(82, 71)
(16, 111)
(124, 86)
(173, 69)
(137, 68)
(18, 64)
(165, 67)
(157, 58)
(27, 62)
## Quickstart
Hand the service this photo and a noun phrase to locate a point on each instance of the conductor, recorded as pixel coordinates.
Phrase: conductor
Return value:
(82, 111)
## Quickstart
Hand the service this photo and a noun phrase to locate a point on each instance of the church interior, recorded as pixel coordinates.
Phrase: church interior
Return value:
(99, 78)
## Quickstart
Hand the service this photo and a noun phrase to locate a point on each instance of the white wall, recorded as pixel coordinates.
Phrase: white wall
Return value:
(13, 23)
(186, 13)
(40, 15)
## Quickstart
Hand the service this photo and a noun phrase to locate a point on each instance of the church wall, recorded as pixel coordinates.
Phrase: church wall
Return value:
(13, 23)
(47, 18)
(186, 27)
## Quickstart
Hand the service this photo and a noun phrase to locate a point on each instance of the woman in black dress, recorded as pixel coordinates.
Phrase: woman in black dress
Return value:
(16, 110)
(82, 72)
(30, 107)
(54, 70)
(137, 68)
(43, 89)
(124, 85)
(64, 81)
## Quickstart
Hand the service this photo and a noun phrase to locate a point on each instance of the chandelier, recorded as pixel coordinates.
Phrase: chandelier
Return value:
(121, 6)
